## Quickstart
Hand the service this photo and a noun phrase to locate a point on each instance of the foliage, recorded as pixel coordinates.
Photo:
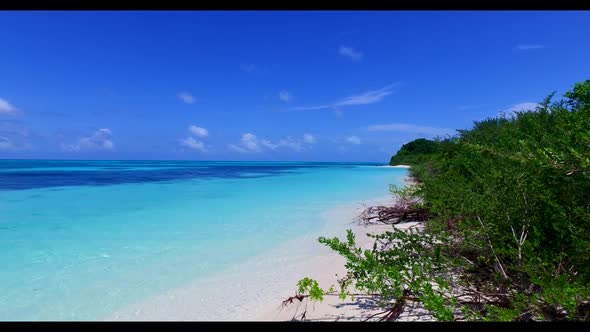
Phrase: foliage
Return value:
(399, 267)
(414, 151)
(509, 202)
(311, 287)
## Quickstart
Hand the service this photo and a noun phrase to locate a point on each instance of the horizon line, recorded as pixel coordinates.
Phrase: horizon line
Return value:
(250, 161)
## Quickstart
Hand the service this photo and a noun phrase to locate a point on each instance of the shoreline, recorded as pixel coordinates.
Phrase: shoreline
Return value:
(326, 269)
(253, 290)
(395, 166)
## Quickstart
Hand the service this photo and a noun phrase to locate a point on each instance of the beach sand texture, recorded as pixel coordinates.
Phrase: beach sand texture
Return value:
(267, 280)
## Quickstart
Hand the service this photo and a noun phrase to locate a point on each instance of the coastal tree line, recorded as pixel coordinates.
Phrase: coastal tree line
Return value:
(506, 234)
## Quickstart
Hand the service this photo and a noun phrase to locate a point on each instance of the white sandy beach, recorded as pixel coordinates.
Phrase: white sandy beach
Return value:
(324, 269)
(395, 166)
(255, 289)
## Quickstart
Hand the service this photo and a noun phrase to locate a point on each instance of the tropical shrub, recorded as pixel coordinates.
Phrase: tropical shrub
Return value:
(509, 231)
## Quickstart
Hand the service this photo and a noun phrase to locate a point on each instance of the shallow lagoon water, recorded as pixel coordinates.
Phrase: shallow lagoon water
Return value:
(82, 239)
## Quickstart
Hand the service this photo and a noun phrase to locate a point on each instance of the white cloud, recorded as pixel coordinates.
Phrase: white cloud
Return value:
(369, 97)
(353, 140)
(291, 143)
(7, 108)
(248, 67)
(238, 148)
(511, 111)
(268, 144)
(351, 53)
(249, 143)
(311, 108)
(192, 143)
(285, 96)
(99, 140)
(198, 131)
(410, 128)
(186, 97)
(528, 47)
(309, 138)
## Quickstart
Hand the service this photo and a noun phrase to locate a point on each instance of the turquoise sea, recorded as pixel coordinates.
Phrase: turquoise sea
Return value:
(81, 239)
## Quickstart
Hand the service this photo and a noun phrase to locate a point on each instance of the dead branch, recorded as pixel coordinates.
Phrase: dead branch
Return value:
(398, 213)
(500, 265)
(293, 298)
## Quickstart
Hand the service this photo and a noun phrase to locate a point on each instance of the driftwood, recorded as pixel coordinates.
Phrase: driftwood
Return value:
(394, 311)
(402, 211)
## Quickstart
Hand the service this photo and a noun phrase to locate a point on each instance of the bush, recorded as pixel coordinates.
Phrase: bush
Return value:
(415, 151)
(510, 200)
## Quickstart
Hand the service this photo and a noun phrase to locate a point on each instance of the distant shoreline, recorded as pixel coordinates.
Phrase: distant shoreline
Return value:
(396, 166)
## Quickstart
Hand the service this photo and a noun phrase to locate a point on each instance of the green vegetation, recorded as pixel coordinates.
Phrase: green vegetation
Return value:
(415, 151)
(508, 233)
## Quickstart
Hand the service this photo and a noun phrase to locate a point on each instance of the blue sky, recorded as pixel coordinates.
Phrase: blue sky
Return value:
(271, 85)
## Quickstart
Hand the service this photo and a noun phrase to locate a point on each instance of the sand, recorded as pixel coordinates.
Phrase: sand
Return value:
(396, 166)
(255, 289)
(324, 269)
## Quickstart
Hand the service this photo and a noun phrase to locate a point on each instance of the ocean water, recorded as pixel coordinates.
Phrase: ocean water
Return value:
(81, 239)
